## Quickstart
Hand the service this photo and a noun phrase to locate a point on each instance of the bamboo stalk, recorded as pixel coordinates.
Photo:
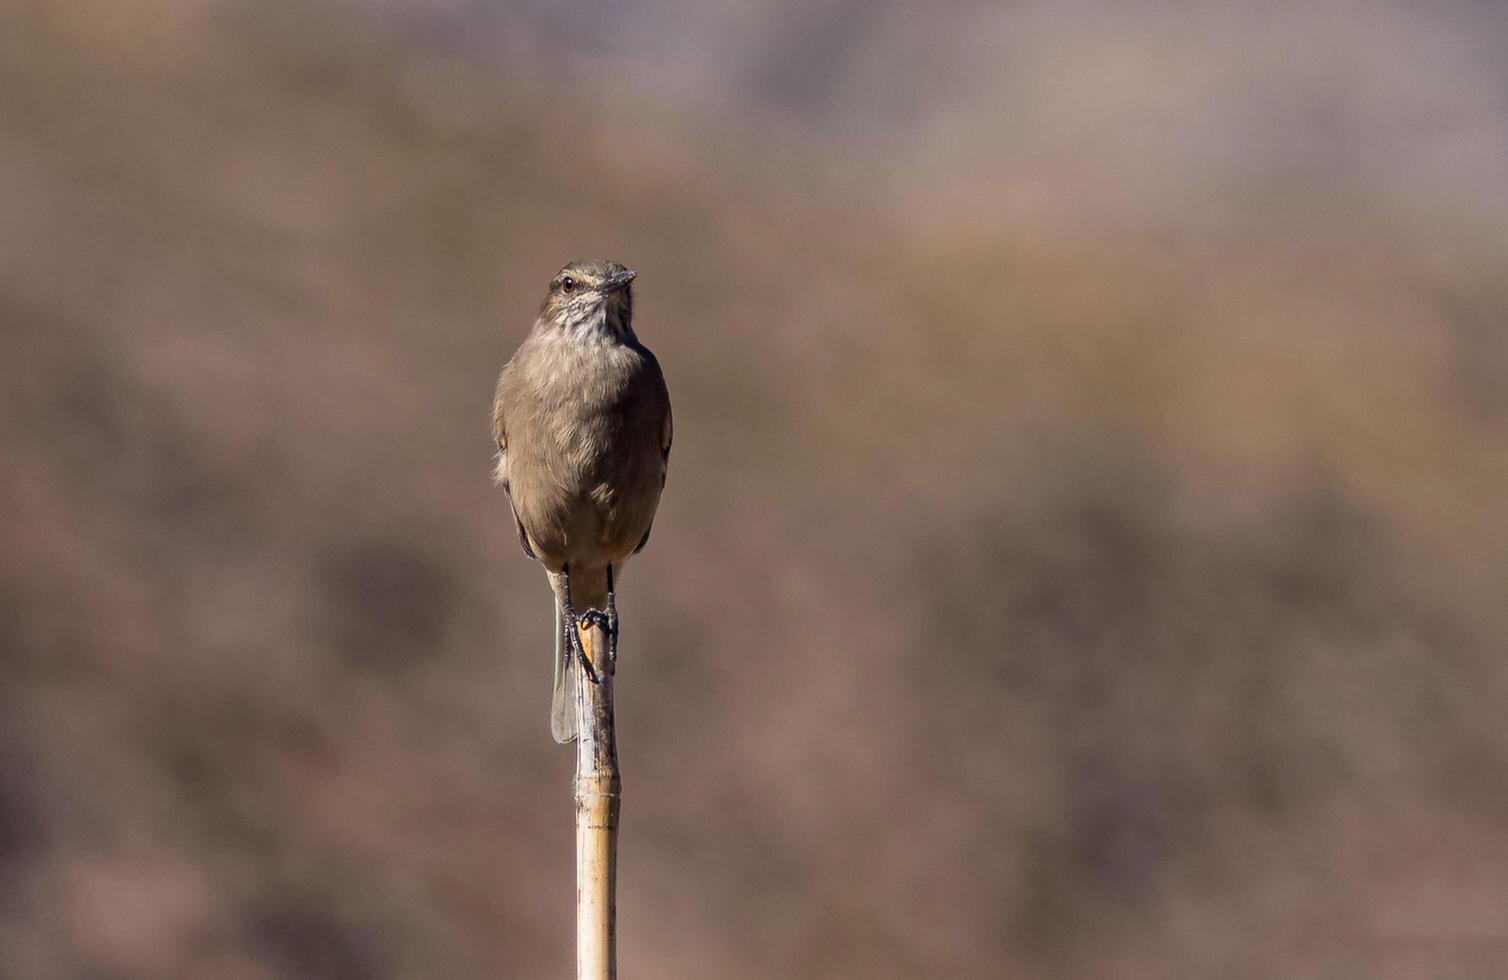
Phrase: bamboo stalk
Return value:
(598, 792)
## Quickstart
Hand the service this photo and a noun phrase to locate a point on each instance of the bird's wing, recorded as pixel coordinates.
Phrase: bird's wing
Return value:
(500, 436)
(667, 436)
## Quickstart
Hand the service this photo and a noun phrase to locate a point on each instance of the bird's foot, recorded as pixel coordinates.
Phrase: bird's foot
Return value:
(608, 623)
(574, 649)
(612, 624)
(596, 617)
(570, 622)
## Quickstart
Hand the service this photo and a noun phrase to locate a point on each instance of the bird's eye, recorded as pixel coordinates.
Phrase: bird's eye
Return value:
(568, 284)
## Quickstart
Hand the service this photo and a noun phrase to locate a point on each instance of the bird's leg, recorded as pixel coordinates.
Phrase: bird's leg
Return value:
(608, 621)
(569, 622)
(612, 624)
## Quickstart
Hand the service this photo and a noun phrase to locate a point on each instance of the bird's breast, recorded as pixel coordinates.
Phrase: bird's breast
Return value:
(593, 435)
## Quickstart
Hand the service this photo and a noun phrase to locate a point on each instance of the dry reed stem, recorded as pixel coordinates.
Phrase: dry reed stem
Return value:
(597, 799)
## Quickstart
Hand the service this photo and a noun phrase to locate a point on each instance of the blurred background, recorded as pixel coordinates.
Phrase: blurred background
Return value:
(1084, 550)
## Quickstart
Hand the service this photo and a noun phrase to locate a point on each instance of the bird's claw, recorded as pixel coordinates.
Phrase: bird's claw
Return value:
(574, 622)
(574, 648)
(608, 623)
(596, 617)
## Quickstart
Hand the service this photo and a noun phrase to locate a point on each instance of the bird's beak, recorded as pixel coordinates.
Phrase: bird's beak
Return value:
(621, 279)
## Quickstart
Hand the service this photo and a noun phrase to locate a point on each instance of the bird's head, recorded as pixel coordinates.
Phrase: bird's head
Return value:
(591, 297)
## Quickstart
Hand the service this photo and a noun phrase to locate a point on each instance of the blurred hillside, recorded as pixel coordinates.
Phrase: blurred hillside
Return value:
(1084, 548)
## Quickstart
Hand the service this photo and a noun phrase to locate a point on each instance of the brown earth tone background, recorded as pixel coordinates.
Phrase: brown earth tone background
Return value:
(1086, 546)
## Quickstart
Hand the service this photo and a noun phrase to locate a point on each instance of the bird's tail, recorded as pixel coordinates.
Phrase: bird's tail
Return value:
(563, 722)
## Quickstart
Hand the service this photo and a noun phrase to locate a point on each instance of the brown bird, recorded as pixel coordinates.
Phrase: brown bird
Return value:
(582, 422)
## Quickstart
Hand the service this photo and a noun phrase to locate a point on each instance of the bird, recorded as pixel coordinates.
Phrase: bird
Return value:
(581, 417)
